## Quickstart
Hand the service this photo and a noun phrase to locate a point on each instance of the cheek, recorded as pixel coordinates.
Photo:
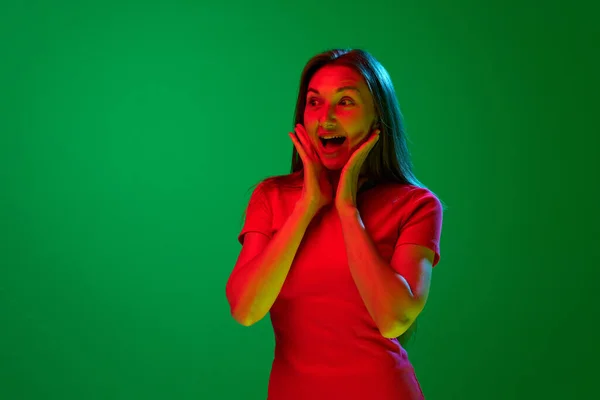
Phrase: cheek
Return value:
(358, 138)
(310, 123)
(310, 119)
(355, 123)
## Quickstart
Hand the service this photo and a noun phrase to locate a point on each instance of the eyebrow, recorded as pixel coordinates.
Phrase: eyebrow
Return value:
(341, 89)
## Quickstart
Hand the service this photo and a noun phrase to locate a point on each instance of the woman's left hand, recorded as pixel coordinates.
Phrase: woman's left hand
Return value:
(345, 199)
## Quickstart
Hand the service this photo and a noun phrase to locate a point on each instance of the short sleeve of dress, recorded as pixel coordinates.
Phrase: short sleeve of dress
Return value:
(423, 224)
(258, 217)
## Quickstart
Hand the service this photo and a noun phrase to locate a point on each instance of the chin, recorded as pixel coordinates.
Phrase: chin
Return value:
(334, 165)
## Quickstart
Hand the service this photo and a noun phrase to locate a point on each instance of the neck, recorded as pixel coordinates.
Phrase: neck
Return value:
(334, 178)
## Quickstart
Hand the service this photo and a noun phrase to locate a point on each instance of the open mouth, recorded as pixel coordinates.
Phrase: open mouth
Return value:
(332, 141)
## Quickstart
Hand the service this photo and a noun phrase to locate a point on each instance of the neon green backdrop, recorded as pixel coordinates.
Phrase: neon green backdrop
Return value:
(131, 131)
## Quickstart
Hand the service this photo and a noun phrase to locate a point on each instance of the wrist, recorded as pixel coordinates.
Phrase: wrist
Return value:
(306, 208)
(347, 211)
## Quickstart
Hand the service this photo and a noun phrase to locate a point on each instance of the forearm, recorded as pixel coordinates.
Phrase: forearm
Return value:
(257, 284)
(386, 295)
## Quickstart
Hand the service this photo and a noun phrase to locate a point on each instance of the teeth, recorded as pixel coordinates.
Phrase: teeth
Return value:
(331, 137)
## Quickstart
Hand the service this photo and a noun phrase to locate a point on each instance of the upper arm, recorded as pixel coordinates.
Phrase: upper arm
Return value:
(257, 229)
(415, 263)
(254, 244)
(417, 247)
(254, 237)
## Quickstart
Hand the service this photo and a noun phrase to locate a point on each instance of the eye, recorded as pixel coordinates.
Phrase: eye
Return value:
(312, 101)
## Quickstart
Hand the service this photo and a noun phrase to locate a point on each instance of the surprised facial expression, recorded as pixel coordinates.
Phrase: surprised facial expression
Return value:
(339, 114)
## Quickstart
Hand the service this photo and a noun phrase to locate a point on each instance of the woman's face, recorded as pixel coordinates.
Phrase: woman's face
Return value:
(338, 102)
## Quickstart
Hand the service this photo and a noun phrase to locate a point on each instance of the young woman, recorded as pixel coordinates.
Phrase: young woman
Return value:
(340, 251)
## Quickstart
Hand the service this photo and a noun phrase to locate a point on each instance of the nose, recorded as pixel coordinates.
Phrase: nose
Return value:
(327, 119)
(327, 125)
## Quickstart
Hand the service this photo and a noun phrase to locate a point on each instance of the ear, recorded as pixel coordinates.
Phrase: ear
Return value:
(375, 126)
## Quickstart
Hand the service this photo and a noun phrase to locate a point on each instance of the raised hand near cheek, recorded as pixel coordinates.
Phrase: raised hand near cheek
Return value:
(345, 198)
(317, 191)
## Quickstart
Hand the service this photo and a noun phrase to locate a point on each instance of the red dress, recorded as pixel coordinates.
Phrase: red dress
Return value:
(327, 346)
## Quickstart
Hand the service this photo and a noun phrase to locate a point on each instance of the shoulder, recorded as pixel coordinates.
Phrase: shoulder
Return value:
(280, 183)
(407, 195)
(276, 191)
(424, 195)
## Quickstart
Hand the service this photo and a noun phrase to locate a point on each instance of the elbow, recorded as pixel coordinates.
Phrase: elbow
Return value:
(244, 320)
(239, 315)
(244, 309)
(233, 301)
(395, 329)
(396, 326)
(393, 326)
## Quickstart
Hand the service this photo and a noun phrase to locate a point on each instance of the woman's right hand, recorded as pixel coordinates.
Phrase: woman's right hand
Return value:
(317, 191)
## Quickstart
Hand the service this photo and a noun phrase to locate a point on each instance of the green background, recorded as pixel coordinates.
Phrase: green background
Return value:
(132, 131)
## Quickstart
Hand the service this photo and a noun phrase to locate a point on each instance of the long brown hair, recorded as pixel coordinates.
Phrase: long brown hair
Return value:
(389, 161)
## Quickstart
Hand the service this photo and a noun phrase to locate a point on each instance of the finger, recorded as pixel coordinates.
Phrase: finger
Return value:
(361, 154)
(374, 141)
(364, 148)
(299, 129)
(374, 138)
(368, 146)
(301, 137)
(299, 147)
(364, 154)
(306, 142)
